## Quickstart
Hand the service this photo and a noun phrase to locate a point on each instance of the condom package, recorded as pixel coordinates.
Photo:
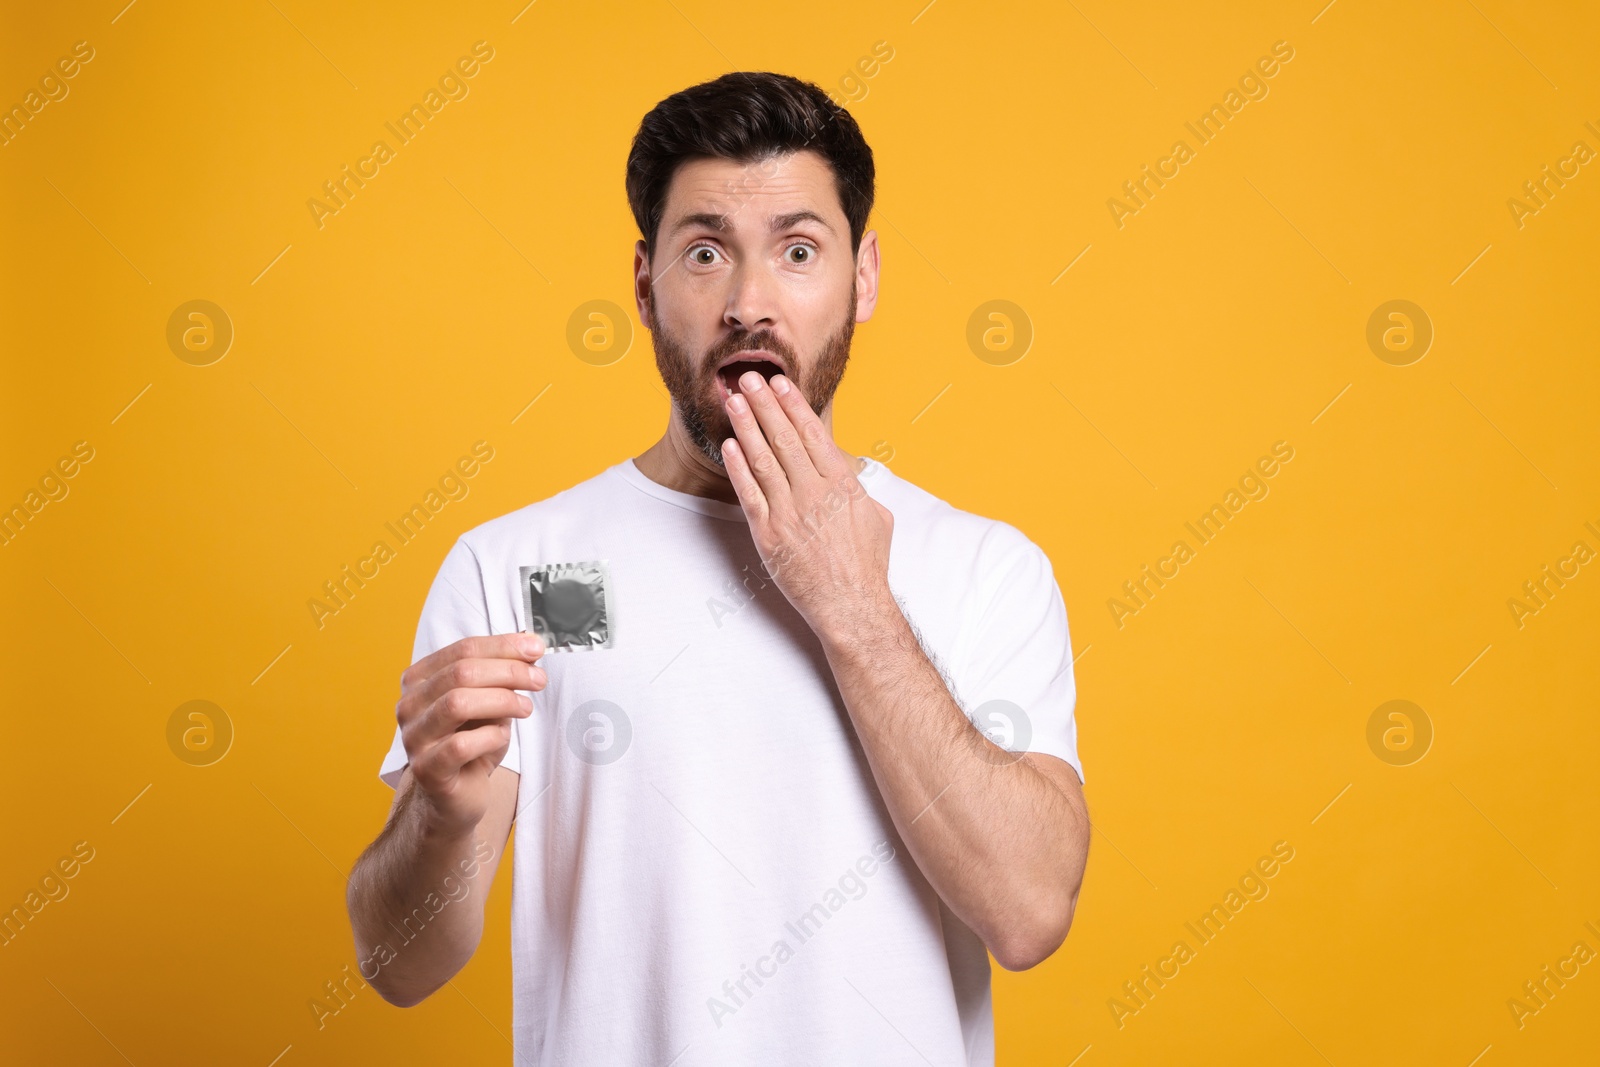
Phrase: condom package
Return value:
(569, 604)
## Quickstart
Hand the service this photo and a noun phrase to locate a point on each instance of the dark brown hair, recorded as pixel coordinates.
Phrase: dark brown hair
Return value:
(747, 116)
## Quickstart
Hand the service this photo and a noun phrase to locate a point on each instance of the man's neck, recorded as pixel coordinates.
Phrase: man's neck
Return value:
(676, 463)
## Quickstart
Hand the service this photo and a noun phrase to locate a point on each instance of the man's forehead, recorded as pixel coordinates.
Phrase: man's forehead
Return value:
(782, 189)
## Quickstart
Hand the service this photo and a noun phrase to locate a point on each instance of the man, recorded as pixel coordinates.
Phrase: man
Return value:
(734, 692)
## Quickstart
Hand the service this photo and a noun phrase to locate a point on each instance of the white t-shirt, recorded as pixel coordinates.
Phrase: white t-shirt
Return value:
(704, 871)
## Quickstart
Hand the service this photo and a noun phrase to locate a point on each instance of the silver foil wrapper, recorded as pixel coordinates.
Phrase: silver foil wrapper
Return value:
(569, 604)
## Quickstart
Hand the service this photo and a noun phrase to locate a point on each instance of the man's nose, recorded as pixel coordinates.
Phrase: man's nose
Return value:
(753, 300)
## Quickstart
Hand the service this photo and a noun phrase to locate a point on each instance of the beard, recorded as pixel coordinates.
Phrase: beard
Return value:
(692, 382)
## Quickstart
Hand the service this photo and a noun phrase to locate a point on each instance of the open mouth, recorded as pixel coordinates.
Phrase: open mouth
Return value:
(728, 375)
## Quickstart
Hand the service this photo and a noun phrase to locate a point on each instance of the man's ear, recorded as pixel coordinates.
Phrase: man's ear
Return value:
(641, 284)
(866, 277)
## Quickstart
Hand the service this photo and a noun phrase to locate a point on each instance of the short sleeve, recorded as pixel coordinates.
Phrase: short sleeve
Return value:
(1014, 661)
(456, 607)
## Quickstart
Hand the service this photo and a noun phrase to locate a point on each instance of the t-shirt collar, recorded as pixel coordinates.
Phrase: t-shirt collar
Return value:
(719, 509)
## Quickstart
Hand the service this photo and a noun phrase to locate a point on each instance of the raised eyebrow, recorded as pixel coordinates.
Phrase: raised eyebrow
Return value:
(708, 219)
(714, 221)
(794, 218)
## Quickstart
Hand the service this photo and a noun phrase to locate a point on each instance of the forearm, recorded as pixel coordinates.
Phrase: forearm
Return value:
(412, 907)
(999, 838)
(1001, 844)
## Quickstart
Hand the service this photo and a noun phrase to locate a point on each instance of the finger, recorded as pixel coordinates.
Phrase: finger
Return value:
(455, 710)
(486, 764)
(499, 646)
(814, 436)
(745, 485)
(443, 761)
(766, 468)
(480, 674)
(777, 427)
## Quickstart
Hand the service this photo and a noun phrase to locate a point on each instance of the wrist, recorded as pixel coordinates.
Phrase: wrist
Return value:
(436, 829)
(862, 624)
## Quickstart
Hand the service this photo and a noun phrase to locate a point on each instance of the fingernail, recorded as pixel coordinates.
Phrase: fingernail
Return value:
(780, 385)
(531, 646)
(737, 404)
(751, 381)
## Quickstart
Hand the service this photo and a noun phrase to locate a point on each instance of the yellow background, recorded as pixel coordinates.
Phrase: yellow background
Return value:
(1227, 715)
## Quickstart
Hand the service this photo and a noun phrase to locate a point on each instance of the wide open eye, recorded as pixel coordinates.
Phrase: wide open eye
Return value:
(807, 253)
(703, 255)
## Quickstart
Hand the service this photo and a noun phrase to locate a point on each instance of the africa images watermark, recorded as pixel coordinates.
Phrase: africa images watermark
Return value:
(1538, 992)
(852, 885)
(452, 86)
(53, 888)
(339, 992)
(52, 487)
(1252, 886)
(1539, 191)
(1538, 591)
(853, 85)
(53, 87)
(341, 590)
(1140, 590)
(1252, 86)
